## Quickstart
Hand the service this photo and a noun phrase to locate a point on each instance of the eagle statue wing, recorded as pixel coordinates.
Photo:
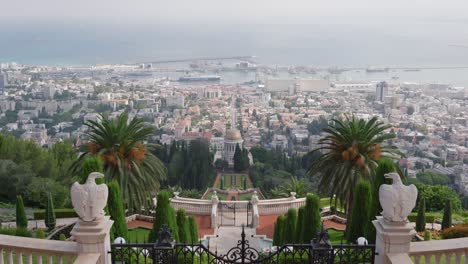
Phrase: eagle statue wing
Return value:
(79, 199)
(409, 200)
(102, 201)
(386, 200)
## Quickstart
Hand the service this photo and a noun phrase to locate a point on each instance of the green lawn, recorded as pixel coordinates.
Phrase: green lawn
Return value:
(138, 235)
(325, 202)
(336, 236)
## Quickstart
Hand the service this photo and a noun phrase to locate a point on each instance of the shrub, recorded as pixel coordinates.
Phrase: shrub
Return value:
(116, 211)
(456, 231)
(59, 213)
(360, 217)
(421, 218)
(50, 213)
(40, 234)
(427, 235)
(8, 231)
(300, 224)
(62, 237)
(312, 218)
(23, 232)
(182, 225)
(164, 215)
(447, 219)
(290, 226)
(21, 219)
(193, 229)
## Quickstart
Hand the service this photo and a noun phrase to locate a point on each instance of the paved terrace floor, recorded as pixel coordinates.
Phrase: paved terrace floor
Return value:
(228, 236)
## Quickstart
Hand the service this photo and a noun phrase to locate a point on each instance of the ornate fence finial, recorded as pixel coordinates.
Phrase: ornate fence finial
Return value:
(323, 239)
(165, 238)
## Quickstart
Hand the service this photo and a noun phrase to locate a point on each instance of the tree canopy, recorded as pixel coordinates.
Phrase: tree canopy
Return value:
(352, 149)
(120, 144)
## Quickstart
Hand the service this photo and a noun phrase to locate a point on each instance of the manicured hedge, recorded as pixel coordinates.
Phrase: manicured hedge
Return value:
(456, 231)
(22, 232)
(429, 218)
(59, 213)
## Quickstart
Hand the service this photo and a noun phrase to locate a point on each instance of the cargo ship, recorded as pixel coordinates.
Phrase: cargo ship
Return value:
(205, 78)
(371, 70)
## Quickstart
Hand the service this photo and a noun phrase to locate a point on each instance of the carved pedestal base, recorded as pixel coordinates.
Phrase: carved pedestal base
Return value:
(391, 238)
(93, 237)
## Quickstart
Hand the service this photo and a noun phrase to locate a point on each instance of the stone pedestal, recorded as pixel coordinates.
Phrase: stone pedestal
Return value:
(391, 238)
(93, 237)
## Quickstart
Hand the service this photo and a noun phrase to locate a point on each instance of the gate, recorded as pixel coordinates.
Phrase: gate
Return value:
(235, 213)
(166, 251)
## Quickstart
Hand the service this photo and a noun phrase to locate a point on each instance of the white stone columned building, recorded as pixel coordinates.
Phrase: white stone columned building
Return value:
(232, 138)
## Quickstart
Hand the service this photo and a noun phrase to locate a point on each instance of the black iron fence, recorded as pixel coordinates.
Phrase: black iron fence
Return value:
(166, 251)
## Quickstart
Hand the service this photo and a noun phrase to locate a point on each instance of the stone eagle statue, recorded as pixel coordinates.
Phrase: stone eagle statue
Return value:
(397, 200)
(89, 199)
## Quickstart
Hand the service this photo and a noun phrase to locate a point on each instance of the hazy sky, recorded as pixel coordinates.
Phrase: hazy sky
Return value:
(236, 11)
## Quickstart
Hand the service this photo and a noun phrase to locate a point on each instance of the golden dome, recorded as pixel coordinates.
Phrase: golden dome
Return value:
(233, 134)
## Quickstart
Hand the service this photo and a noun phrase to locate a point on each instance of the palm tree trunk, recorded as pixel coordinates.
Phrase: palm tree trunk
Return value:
(349, 211)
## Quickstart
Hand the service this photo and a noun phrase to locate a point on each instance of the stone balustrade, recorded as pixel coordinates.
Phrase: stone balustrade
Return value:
(26, 250)
(279, 206)
(442, 251)
(192, 206)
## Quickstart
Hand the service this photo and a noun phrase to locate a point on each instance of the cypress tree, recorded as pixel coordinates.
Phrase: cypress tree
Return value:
(360, 220)
(193, 229)
(164, 215)
(50, 213)
(421, 218)
(290, 226)
(300, 225)
(116, 211)
(278, 238)
(312, 218)
(238, 159)
(447, 219)
(182, 225)
(276, 233)
(21, 218)
(92, 164)
(384, 166)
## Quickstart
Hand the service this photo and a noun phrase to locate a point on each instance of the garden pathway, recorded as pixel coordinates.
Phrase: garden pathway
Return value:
(233, 195)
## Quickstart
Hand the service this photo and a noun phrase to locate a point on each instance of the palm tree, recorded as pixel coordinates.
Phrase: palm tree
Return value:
(300, 187)
(119, 144)
(351, 149)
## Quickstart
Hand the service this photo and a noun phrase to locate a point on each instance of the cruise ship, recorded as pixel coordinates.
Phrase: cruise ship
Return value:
(204, 78)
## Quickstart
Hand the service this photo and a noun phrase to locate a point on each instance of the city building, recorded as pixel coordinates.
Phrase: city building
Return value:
(3, 81)
(381, 91)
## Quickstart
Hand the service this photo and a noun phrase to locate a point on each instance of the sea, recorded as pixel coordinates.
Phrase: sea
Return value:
(369, 45)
